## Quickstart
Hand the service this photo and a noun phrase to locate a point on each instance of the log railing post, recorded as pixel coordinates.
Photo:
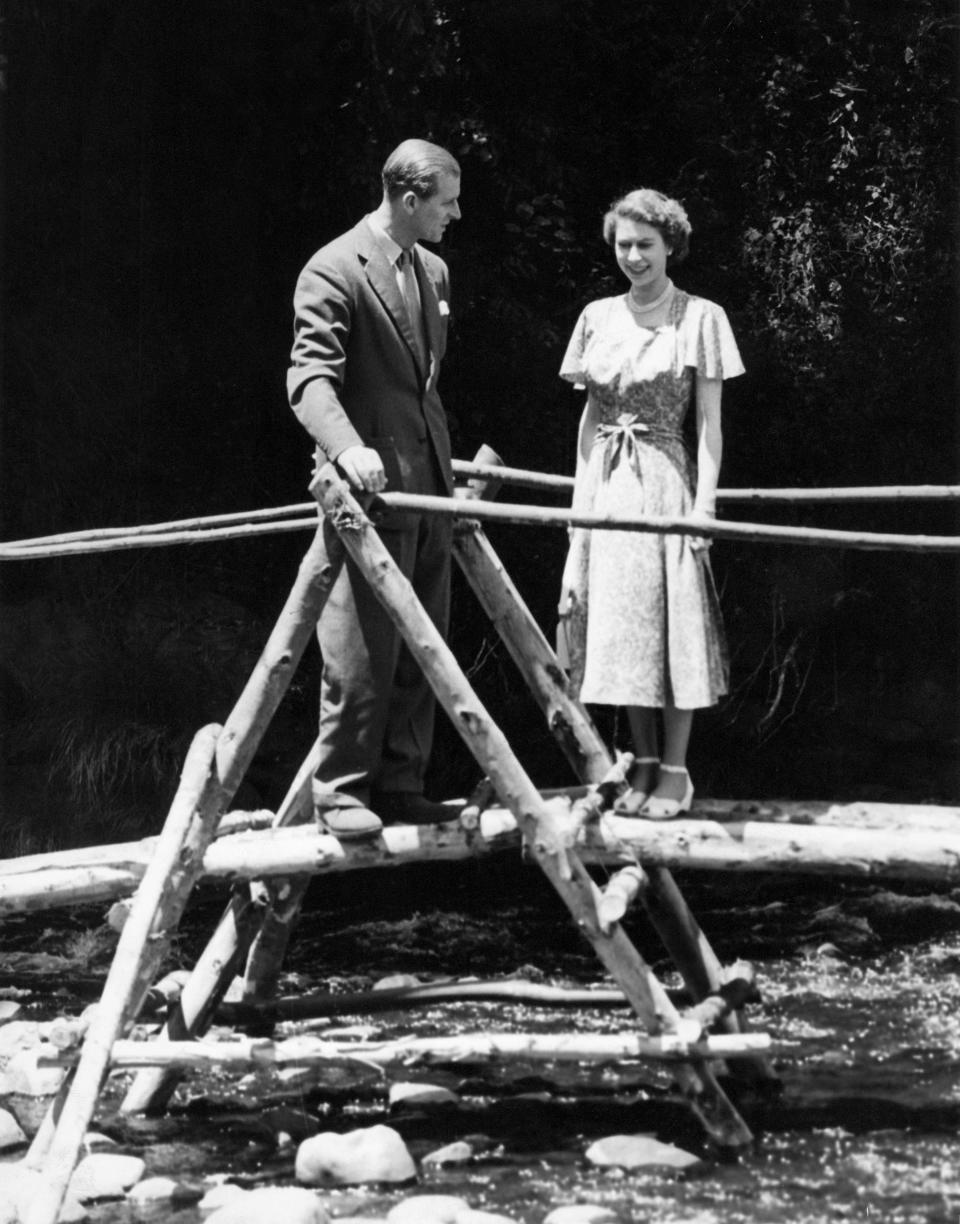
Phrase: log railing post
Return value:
(546, 831)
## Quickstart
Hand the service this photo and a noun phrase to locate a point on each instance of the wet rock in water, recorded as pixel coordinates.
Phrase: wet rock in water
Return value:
(287, 1203)
(93, 1141)
(105, 1175)
(18, 1035)
(118, 913)
(21, 1187)
(428, 1209)
(582, 1213)
(22, 1076)
(283, 1124)
(421, 1094)
(639, 1152)
(161, 1190)
(10, 1133)
(452, 1154)
(483, 1217)
(370, 1154)
(890, 913)
(396, 981)
(218, 1196)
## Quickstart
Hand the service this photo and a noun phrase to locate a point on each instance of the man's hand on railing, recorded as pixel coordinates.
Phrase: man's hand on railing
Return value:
(363, 468)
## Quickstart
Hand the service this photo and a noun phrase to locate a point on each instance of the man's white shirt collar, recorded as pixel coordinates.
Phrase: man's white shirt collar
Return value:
(392, 248)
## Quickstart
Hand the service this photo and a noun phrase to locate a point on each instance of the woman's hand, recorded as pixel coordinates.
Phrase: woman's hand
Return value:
(568, 583)
(567, 599)
(704, 517)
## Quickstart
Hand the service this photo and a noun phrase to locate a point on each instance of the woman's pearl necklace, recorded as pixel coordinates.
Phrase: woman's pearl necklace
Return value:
(650, 306)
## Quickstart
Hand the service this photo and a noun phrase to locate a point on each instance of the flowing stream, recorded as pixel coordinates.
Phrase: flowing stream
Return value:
(859, 990)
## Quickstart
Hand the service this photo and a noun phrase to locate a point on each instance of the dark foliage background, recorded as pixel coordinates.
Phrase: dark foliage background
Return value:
(169, 168)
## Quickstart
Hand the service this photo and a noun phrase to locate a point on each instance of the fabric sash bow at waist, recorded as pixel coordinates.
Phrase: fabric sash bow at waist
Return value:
(620, 440)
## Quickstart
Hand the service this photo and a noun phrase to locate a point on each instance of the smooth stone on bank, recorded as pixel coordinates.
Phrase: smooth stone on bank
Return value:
(370, 1154)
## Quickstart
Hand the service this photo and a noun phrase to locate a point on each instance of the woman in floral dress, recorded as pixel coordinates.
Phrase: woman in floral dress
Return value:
(640, 610)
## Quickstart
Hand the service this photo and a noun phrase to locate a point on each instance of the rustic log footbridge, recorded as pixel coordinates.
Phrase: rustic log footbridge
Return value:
(270, 859)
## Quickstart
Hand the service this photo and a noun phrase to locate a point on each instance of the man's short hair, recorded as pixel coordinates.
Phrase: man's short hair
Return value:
(416, 165)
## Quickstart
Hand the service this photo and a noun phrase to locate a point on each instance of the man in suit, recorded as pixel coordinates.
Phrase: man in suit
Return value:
(371, 311)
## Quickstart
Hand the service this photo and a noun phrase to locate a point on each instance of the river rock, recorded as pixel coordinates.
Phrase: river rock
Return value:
(8, 1009)
(369, 1154)
(22, 1076)
(290, 1204)
(218, 1196)
(118, 913)
(470, 1216)
(396, 981)
(639, 1152)
(159, 1190)
(582, 1213)
(94, 1141)
(104, 1175)
(18, 1035)
(453, 1154)
(421, 1094)
(428, 1209)
(10, 1133)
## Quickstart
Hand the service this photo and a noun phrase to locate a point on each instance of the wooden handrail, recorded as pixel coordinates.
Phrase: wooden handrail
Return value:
(544, 516)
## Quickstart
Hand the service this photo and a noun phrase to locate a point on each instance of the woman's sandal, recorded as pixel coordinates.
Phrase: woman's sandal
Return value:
(629, 803)
(658, 808)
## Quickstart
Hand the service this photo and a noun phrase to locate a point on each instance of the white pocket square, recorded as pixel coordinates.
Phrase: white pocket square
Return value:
(444, 307)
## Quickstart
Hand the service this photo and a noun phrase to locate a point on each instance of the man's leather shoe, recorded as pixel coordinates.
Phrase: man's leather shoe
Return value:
(344, 815)
(411, 808)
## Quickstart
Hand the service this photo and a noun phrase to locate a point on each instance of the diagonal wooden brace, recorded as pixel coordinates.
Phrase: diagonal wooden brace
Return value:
(538, 825)
(236, 746)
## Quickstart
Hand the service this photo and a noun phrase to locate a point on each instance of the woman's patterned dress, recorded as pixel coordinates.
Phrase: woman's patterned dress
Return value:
(645, 629)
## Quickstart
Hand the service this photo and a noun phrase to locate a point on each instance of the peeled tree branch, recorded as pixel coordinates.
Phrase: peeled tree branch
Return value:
(688, 1042)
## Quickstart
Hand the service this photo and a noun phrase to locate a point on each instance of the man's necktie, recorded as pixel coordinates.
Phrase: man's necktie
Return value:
(411, 299)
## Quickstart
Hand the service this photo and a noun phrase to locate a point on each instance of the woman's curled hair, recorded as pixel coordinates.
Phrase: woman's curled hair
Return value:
(652, 208)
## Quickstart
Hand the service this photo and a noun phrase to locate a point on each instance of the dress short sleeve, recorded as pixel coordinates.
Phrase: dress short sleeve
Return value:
(571, 368)
(709, 345)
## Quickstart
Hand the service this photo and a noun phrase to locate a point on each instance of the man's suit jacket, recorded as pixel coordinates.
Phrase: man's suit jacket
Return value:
(355, 378)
